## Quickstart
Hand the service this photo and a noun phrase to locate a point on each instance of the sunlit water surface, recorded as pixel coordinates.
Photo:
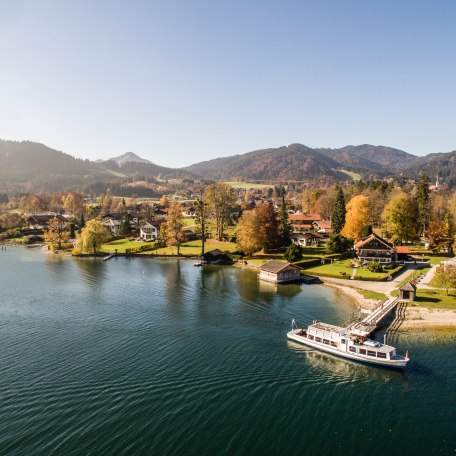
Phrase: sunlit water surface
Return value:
(157, 357)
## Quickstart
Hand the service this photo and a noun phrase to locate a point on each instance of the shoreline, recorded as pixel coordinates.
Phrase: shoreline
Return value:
(417, 318)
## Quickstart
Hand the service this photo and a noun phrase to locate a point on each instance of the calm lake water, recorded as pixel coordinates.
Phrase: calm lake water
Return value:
(157, 357)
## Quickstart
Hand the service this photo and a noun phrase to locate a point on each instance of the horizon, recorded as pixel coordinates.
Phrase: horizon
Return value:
(203, 80)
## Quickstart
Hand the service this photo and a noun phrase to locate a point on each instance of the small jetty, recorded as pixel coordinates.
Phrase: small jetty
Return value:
(109, 256)
(369, 324)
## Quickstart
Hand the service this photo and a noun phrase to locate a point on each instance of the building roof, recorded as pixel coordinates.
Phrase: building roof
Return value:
(402, 249)
(276, 266)
(111, 222)
(148, 224)
(326, 224)
(408, 287)
(304, 217)
(372, 237)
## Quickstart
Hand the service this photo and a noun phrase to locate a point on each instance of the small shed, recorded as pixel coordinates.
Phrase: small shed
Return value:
(407, 292)
(279, 272)
(216, 256)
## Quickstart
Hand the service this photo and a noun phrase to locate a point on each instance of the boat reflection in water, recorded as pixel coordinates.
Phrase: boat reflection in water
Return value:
(346, 370)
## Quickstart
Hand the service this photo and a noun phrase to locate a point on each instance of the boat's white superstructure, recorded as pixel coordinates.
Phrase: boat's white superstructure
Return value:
(342, 342)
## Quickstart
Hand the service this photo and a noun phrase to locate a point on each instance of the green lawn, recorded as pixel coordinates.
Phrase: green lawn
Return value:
(121, 245)
(342, 269)
(372, 294)
(436, 299)
(194, 248)
(248, 185)
(188, 221)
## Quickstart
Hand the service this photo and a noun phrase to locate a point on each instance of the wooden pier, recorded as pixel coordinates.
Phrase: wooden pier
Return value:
(369, 324)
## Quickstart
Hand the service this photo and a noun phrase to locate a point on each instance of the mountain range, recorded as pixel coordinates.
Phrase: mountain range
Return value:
(28, 166)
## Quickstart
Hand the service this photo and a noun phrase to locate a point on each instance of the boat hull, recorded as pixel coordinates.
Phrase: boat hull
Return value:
(393, 363)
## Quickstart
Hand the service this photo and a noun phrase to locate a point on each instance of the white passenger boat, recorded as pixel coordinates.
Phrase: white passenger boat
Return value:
(342, 342)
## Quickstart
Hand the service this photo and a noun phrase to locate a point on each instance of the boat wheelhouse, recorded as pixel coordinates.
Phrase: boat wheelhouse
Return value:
(343, 342)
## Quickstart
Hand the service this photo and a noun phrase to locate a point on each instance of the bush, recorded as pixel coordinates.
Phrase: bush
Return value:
(293, 253)
(373, 266)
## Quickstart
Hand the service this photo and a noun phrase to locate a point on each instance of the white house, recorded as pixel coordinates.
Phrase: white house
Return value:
(112, 225)
(148, 232)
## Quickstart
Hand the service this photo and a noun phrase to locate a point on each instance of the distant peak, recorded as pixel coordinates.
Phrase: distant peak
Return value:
(129, 157)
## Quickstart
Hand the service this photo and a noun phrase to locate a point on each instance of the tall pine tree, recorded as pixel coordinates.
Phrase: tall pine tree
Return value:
(338, 211)
(422, 198)
(284, 224)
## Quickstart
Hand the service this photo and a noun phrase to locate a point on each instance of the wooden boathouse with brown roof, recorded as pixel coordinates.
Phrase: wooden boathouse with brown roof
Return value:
(279, 272)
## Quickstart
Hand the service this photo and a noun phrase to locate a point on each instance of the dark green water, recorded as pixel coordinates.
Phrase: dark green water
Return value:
(161, 358)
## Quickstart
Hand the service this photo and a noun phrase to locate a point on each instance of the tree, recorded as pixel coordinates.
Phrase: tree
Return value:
(220, 198)
(93, 235)
(201, 217)
(293, 253)
(357, 217)
(338, 244)
(125, 228)
(400, 219)
(268, 226)
(422, 198)
(284, 229)
(73, 203)
(445, 277)
(309, 198)
(338, 211)
(248, 236)
(171, 230)
(58, 232)
(164, 201)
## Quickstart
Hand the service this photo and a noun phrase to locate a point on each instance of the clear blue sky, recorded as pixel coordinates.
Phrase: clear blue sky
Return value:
(183, 81)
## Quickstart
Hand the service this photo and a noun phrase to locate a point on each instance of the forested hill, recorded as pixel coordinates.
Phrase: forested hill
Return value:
(441, 164)
(294, 162)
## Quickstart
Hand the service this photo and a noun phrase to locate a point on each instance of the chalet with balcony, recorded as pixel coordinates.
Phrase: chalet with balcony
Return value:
(373, 248)
(148, 232)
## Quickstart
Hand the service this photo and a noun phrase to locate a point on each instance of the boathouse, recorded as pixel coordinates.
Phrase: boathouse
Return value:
(216, 256)
(407, 292)
(279, 272)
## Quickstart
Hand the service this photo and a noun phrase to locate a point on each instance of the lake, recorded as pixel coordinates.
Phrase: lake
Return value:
(157, 357)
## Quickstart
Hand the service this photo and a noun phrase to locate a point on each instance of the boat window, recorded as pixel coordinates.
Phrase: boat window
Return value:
(317, 339)
(352, 349)
(333, 343)
(326, 341)
(362, 351)
(342, 341)
(371, 353)
(381, 355)
(310, 337)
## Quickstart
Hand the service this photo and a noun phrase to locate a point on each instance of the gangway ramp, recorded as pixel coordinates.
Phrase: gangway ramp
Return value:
(369, 324)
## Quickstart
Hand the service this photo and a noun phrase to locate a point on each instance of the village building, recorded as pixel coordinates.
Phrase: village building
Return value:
(41, 221)
(303, 222)
(407, 292)
(373, 248)
(306, 239)
(279, 272)
(216, 256)
(148, 232)
(112, 225)
(322, 226)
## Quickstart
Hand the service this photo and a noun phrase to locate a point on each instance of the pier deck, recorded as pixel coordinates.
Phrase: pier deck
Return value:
(369, 324)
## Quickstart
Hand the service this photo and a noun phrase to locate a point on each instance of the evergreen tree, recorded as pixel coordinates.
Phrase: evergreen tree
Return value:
(81, 223)
(338, 212)
(293, 253)
(422, 198)
(284, 224)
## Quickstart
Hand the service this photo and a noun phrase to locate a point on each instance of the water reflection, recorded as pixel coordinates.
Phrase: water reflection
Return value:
(348, 370)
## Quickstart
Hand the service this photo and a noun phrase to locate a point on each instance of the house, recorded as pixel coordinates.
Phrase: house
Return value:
(216, 256)
(373, 248)
(407, 292)
(306, 239)
(41, 221)
(148, 232)
(402, 252)
(189, 235)
(303, 222)
(322, 226)
(279, 272)
(113, 226)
